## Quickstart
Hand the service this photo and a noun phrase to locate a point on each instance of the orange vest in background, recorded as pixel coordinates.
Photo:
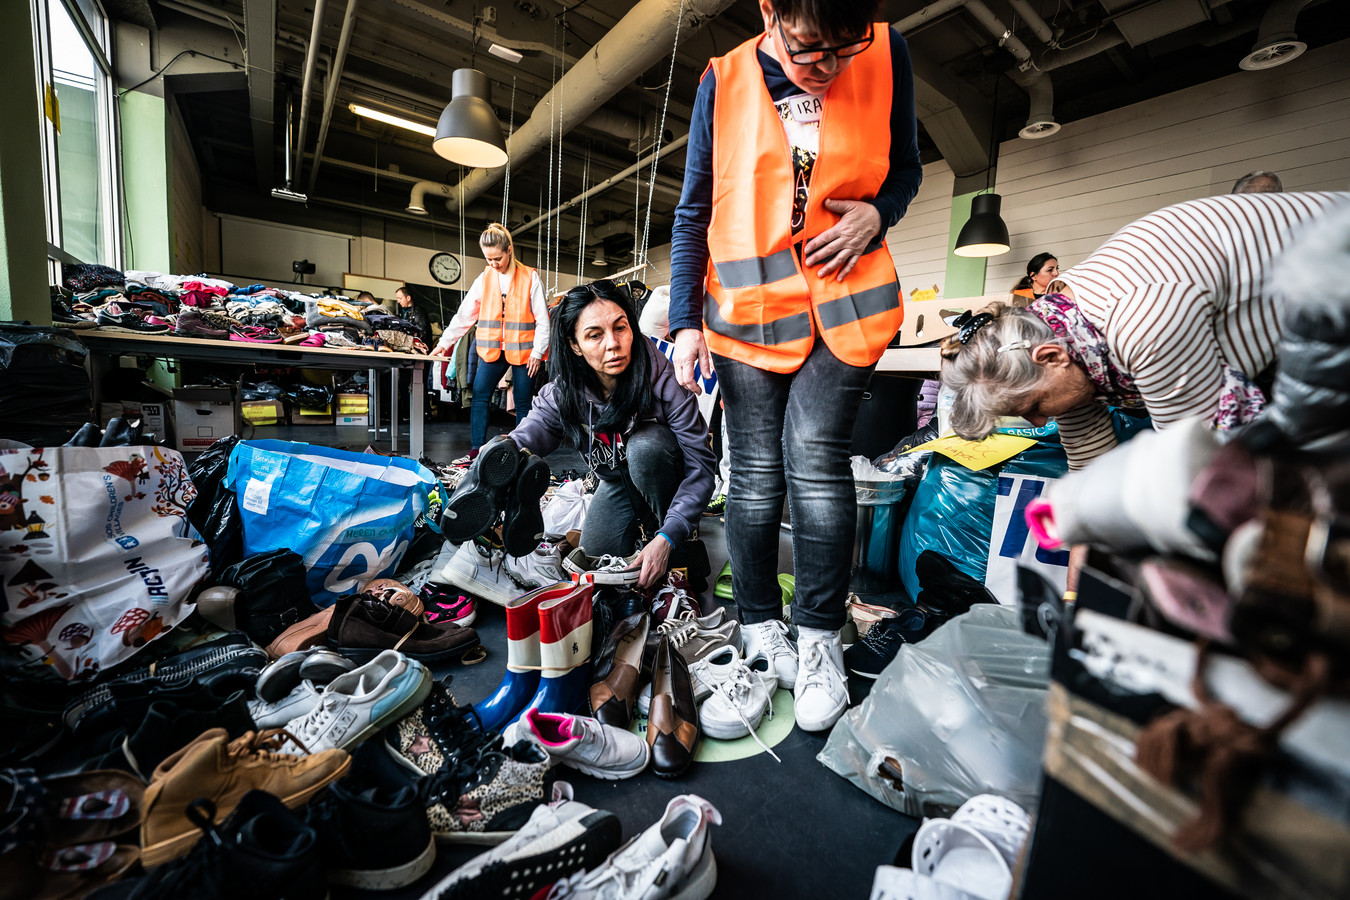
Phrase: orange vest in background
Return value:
(763, 306)
(514, 318)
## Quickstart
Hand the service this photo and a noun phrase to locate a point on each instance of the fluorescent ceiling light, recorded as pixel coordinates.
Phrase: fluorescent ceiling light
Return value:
(391, 119)
(506, 53)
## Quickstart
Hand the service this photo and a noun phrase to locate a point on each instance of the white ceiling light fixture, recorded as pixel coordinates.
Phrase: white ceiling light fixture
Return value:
(600, 260)
(506, 53)
(391, 119)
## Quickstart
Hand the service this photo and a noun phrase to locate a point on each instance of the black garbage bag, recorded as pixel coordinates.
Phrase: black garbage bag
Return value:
(215, 512)
(260, 390)
(945, 591)
(308, 396)
(44, 387)
(273, 595)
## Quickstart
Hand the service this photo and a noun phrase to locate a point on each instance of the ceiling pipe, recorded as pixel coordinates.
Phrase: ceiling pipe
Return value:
(1038, 26)
(631, 47)
(1276, 41)
(929, 14)
(311, 63)
(1002, 33)
(331, 86)
(417, 201)
(260, 25)
(602, 186)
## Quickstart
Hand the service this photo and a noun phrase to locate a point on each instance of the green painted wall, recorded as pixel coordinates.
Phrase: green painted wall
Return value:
(965, 275)
(23, 223)
(146, 180)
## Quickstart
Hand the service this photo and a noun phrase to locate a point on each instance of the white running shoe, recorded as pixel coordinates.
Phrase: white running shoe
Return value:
(737, 705)
(541, 567)
(299, 702)
(770, 639)
(582, 743)
(356, 705)
(671, 859)
(821, 695)
(482, 572)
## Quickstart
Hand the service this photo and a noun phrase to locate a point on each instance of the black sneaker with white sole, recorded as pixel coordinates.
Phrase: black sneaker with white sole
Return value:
(523, 527)
(481, 495)
(875, 649)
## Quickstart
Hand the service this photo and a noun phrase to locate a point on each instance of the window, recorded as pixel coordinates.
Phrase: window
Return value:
(79, 128)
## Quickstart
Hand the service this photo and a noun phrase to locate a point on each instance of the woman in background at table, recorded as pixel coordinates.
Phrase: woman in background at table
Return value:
(507, 304)
(1042, 278)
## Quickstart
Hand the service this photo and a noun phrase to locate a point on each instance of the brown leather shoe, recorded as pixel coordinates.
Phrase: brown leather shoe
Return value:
(363, 625)
(223, 771)
(311, 632)
(618, 670)
(396, 593)
(672, 727)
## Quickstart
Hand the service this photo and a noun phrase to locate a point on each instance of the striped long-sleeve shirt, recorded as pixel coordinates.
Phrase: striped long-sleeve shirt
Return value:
(1180, 293)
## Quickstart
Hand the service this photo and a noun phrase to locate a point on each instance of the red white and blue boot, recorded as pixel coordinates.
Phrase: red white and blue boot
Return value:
(564, 652)
(521, 681)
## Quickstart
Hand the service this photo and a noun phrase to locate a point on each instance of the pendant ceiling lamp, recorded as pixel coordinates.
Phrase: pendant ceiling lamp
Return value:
(984, 233)
(468, 132)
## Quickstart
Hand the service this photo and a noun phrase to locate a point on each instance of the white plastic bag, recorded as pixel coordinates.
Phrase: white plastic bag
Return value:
(97, 557)
(959, 714)
(566, 511)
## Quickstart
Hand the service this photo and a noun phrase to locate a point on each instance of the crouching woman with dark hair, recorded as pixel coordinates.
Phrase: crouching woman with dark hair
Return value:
(618, 401)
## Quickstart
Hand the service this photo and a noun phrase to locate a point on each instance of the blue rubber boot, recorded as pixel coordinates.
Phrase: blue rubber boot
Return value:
(521, 681)
(564, 652)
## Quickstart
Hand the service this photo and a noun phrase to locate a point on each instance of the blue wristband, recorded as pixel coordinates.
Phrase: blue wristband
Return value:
(667, 537)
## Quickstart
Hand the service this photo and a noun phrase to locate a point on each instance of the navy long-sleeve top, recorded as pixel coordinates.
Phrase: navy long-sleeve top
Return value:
(689, 242)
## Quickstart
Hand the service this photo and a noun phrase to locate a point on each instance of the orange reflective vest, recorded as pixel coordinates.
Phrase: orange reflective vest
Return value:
(762, 305)
(513, 318)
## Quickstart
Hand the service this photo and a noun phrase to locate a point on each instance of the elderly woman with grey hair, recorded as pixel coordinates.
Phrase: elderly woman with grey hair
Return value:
(1176, 314)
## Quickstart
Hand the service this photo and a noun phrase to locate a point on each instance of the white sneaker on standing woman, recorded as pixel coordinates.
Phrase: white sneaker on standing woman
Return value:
(821, 694)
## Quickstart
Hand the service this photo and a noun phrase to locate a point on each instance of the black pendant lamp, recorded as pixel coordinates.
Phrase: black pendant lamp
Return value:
(468, 132)
(985, 233)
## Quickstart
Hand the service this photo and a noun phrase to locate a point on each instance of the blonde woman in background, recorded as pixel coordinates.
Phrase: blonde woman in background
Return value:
(507, 304)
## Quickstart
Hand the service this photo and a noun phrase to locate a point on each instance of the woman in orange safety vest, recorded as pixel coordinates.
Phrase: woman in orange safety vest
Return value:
(802, 154)
(507, 304)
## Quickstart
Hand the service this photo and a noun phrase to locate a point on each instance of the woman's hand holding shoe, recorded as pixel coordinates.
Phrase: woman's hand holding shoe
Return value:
(654, 560)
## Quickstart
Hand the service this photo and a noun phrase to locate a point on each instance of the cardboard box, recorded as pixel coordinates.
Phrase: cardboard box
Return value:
(363, 421)
(154, 416)
(311, 416)
(204, 415)
(353, 404)
(263, 412)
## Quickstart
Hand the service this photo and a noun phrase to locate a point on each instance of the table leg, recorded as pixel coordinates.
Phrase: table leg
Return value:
(393, 411)
(373, 390)
(416, 411)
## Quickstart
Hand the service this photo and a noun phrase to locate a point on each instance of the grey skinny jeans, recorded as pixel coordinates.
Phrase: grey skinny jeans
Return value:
(651, 473)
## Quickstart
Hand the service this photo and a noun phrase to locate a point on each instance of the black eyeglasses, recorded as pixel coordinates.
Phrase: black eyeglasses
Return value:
(814, 55)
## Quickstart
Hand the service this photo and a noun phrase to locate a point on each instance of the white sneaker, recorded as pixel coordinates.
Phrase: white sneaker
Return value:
(770, 639)
(671, 859)
(582, 743)
(541, 567)
(356, 705)
(821, 695)
(299, 702)
(706, 674)
(737, 705)
(481, 572)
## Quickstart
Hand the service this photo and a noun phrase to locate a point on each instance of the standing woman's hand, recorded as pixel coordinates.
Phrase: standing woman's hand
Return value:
(691, 348)
(532, 367)
(841, 245)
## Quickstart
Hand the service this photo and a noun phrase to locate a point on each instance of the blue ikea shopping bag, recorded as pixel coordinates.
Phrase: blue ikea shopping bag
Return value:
(348, 515)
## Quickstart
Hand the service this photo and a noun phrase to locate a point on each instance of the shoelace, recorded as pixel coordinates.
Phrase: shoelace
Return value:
(188, 876)
(314, 722)
(610, 881)
(817, 670)
(610, 563)
(775, 640)
(882, 640)
(680, 631)
(736, 689)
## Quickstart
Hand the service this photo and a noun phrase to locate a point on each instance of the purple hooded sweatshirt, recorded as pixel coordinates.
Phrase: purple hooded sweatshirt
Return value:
(674, 407)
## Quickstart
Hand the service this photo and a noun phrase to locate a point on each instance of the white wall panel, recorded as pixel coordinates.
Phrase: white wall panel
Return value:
(1068, 193)
(918, 242)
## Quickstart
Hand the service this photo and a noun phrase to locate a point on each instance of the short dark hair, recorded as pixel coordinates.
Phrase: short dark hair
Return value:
(833, 20)
(405, 289)
(572, 375)
(1243, 184)
(365, 295)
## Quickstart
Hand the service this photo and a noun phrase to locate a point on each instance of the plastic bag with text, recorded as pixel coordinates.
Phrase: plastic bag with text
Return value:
(97, 557)
(350, 516)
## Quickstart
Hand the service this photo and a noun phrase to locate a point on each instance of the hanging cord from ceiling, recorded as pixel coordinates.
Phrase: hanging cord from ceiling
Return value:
(551, 226)
(585, 206)
(462, 258)
(557, 166)
(656, 150)
(506, 187)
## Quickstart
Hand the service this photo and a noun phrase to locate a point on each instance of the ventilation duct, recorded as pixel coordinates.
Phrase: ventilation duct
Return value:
(1276, 42)
(417, 201)
(1041, 122)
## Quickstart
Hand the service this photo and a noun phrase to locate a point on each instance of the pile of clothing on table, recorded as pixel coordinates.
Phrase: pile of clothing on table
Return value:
(94, 296)
(185, 714)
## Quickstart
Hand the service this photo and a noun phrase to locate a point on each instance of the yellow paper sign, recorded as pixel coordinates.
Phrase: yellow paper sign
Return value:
(925, 294)
(977, 455)
(52, 107)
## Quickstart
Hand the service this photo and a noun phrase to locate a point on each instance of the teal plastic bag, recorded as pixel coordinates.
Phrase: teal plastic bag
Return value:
(348, 515)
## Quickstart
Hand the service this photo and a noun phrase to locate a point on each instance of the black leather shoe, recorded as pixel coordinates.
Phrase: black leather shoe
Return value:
(524, 526)
(481, 496)
(617, 671)
(672, 726)
(88, 436)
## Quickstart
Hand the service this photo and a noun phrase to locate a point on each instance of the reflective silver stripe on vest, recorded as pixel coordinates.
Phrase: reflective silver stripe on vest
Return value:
(519, 326)
(779, 331)
(756, 271)
(856, 307)
(509, 345)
